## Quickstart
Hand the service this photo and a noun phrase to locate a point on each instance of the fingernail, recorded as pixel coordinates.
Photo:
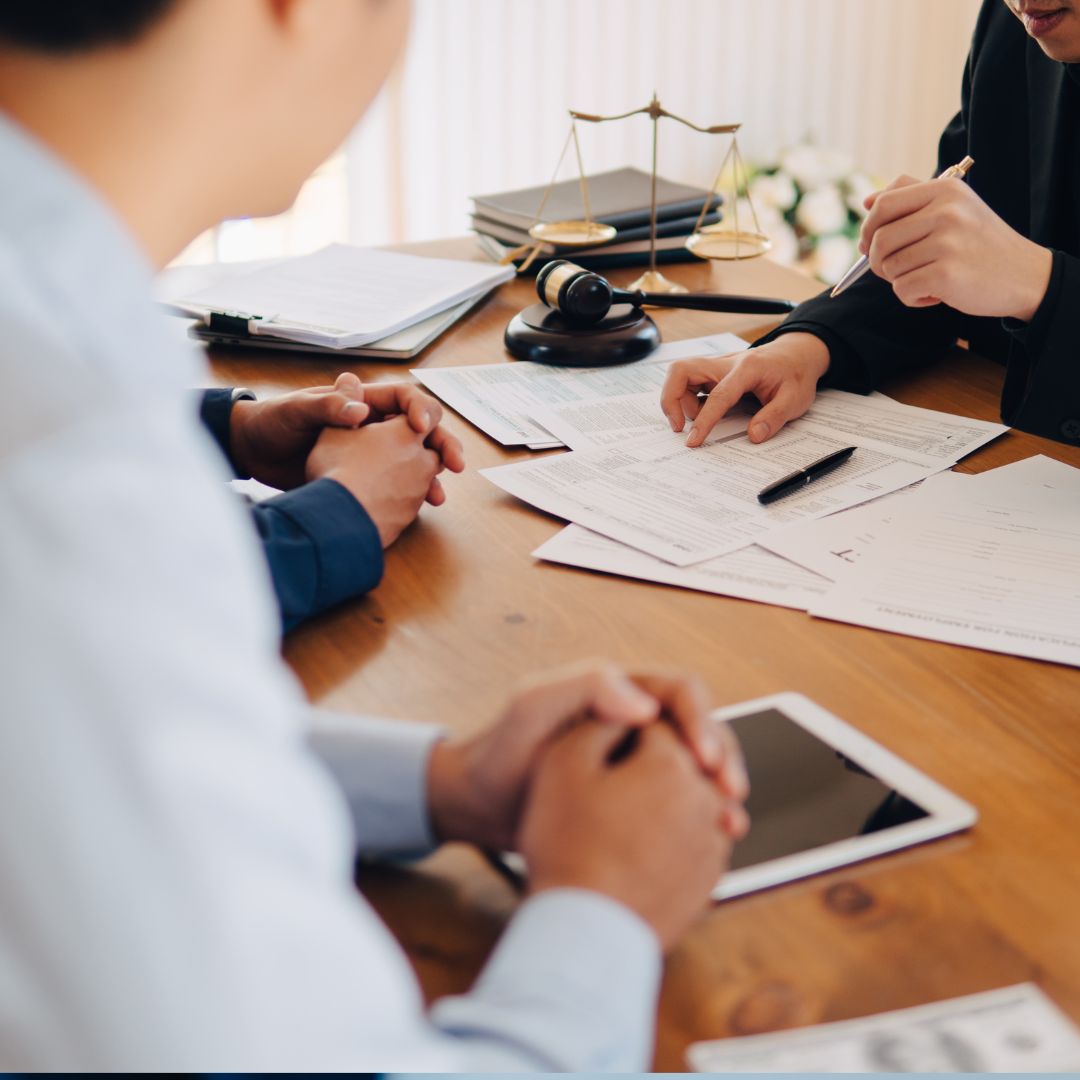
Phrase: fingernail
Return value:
(759, 431)
(710, 748)
(694, 438)
(636, 698)
(353, 404)
(735, 778)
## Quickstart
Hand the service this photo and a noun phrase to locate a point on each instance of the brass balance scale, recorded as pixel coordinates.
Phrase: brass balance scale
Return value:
(607, 325)
(724, 240)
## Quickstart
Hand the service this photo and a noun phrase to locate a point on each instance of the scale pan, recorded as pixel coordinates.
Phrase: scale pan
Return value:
(720, 242)
(572, 233)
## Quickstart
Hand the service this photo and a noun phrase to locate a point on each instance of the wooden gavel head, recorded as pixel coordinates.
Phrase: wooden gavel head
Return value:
(579, 295)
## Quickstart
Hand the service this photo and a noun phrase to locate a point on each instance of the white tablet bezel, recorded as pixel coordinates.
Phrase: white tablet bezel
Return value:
(946, 812)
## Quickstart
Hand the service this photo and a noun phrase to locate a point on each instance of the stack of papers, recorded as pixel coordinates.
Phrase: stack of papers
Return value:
(683, 506)
(992, 563)
(341, 297)
(504, 400)
(1014, 1030)
(893, 539)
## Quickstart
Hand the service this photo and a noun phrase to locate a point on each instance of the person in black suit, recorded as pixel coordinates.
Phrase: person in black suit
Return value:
(355, 463)
(995, 261)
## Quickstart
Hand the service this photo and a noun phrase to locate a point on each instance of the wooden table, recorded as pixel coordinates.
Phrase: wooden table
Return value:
(464, 612)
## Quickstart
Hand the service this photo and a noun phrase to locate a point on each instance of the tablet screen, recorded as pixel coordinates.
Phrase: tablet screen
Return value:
(805, 794)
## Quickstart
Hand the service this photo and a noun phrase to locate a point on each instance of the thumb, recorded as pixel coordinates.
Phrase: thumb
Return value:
(349, 383)
(767, 421)
(585, 747)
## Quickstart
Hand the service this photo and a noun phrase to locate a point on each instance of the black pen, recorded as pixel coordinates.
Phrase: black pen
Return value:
(801, 477)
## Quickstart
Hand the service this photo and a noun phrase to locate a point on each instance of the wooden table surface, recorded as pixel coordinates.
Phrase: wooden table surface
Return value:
(464, 612)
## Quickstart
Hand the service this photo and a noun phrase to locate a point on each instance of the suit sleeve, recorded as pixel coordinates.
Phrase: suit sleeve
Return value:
(321, 547)
(870, 334)
(1042, 391)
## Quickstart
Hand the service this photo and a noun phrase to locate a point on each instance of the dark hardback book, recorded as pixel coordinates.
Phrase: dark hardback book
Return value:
(600, 262)
(674, 227)
(621, 197)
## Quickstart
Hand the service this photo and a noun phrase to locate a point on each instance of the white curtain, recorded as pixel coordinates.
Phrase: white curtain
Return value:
(479, 102)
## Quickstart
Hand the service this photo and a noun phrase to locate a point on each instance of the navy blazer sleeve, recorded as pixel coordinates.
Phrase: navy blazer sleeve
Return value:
(321, 545)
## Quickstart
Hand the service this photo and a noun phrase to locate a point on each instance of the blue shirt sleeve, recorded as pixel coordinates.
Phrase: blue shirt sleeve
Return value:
(321, 547)
(215, 412)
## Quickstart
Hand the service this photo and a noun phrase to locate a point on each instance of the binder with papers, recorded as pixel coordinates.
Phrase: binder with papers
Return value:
(338, 298)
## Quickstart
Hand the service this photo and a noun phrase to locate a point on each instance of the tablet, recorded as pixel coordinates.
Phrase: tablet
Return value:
(824, 795)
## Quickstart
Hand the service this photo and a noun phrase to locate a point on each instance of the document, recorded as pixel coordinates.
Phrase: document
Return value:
(832, 545)
(503, 399)
(685, 506)
(994, 566)
(587, 425)
(345, 296)
(935, 439)
(1014, 1030)
(750, 574)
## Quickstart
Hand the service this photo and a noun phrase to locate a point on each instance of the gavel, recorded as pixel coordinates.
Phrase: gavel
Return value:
(584, 298)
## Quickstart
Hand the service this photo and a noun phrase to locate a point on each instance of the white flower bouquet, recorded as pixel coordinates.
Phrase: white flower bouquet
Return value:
(810, 205)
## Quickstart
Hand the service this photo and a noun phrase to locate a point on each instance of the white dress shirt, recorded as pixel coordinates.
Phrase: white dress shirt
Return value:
(177, 841)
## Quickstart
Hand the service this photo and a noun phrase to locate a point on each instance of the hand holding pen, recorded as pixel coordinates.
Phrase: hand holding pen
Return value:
(937, 242)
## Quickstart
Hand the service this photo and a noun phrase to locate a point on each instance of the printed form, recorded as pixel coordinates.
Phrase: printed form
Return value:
(750, 574)
(994, 566)
(685, 506)
(502, 399)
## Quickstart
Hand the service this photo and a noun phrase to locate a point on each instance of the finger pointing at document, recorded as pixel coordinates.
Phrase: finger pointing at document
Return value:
(782, 375)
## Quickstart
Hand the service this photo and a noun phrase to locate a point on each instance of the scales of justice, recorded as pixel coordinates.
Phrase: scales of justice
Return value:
(581, 320)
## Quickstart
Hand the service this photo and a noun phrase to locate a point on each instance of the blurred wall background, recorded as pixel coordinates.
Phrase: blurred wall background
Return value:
(478, 103)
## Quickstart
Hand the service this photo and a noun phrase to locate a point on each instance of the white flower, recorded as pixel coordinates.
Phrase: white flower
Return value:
(831, 258)
(813, 166)
(785, 244)
(822, 211)
(776, 191)
(859, 186)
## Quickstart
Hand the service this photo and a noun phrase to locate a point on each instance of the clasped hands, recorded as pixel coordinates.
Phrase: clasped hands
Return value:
(382, 442)
(935, 242)
(650, 823)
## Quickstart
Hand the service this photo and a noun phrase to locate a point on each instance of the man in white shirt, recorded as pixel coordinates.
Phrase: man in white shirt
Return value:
(179, 827)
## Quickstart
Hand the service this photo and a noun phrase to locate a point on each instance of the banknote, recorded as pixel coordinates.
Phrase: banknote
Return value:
(1014, 1029)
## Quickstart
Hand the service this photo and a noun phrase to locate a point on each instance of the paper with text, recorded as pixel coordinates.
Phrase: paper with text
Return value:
(685, 505)
(749, 574)
(345, 296)
(1015, 1029)
(831, 545)
(502, 399)
(995, 566)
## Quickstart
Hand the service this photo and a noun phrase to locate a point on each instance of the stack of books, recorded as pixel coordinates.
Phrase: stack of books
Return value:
(621, 197)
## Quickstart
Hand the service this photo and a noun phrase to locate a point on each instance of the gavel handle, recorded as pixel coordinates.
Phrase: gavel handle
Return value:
(749, 305)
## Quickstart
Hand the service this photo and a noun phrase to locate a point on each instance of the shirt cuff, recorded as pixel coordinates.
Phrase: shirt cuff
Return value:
(573, 984)
(1032, 335)
(845, 372)
(215, 411)
(381, 767)
(337, 555)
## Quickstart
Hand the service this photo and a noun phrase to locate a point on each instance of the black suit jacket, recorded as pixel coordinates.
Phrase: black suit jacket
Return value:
(1017, 119)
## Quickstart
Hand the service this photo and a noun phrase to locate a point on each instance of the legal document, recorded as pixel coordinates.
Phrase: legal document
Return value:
(995, 565)
(832, 545)
(750, 574)
(502, 399)
(685, 506)
(344, 296)
(1017, 1029)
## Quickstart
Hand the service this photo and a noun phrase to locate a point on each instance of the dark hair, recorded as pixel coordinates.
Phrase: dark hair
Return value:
(66, 26)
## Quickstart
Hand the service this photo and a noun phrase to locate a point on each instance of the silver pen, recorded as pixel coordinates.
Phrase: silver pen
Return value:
(863, 263)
